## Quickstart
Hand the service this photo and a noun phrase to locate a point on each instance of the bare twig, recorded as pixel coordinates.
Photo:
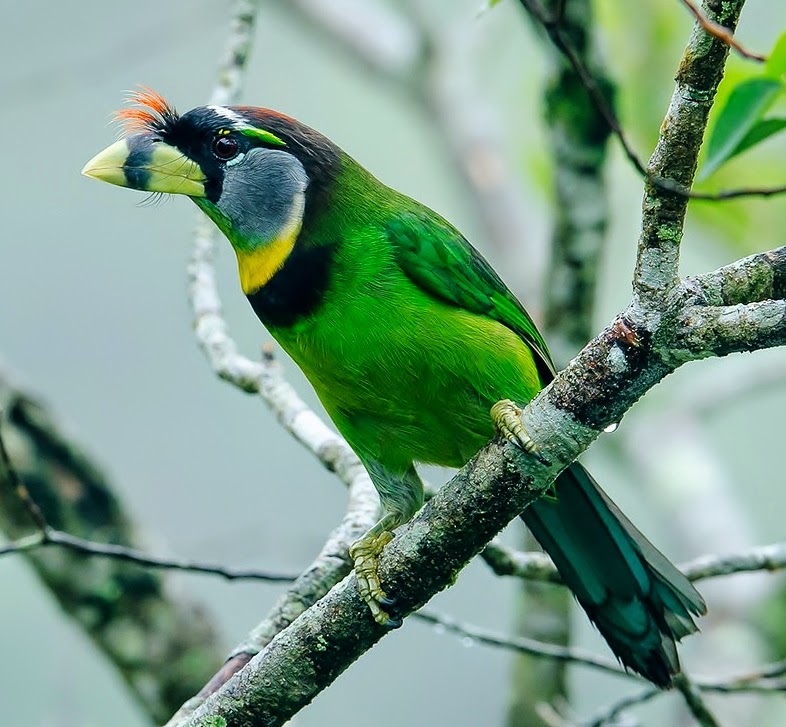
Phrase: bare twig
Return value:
(503, 561)
(724, 34)
(52, 537)
(749, 681)
(735, 193)
(760, 680)
(552, 26)
(609, 714)
(523, 645)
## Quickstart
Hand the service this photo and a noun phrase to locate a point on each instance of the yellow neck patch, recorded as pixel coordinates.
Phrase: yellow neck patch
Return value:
(256, 267)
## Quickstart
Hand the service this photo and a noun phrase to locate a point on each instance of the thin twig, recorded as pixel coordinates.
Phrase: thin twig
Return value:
(551, 24)
(722, 33)
(522, 645)
(552, 27)
(49, 536)
(737, 193)
(52, 537)
(607, 714)
(745, 681)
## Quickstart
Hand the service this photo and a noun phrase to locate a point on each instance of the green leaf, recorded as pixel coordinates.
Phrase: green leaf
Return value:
(746, 104)
(776, 63)
(764, 129)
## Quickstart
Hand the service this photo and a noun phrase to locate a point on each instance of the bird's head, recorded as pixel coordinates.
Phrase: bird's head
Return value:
(256, 173)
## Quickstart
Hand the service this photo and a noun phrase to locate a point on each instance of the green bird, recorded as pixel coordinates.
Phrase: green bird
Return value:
(414, 345)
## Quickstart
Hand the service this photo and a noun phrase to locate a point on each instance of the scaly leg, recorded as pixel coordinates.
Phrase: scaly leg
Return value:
(401, 497)
(506, 416)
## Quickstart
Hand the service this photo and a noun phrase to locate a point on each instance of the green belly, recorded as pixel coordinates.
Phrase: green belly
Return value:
(416, 385)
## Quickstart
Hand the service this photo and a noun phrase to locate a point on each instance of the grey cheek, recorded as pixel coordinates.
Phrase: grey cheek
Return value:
(258, 192)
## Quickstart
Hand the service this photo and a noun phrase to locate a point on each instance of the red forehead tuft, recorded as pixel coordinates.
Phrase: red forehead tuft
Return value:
(151, 112)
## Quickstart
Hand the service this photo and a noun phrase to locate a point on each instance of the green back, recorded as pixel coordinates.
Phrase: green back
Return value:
(442, 262)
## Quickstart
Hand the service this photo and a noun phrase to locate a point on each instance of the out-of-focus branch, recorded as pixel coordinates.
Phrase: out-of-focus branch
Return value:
(538, 566)
(609, 715)
(760, 680)
(552, 24)
(763, 558)
(162, 644)
(523, 645)
(695, 702)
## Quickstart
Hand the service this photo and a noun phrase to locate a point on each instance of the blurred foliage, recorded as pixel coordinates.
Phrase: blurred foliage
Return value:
(642, 43)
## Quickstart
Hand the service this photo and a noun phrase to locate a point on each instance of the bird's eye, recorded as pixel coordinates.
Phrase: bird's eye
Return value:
(225, 147)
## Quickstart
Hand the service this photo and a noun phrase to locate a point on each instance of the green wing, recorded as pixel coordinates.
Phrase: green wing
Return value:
(440, 260)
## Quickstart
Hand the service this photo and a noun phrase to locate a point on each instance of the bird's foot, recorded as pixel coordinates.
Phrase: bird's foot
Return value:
(506, 416)
(365, 554)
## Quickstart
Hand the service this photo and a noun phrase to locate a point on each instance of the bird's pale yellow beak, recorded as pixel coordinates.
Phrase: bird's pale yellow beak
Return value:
(144, 162)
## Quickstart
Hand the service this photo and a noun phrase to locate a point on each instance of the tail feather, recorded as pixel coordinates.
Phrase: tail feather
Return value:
(639, 601)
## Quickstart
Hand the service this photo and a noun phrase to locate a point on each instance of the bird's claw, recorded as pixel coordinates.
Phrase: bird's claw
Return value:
(365, 554)
(506, 416)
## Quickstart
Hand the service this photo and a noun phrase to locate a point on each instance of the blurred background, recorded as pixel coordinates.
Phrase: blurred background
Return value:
(94, 320)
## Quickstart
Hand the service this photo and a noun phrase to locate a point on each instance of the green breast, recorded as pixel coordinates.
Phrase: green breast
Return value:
(406, 377)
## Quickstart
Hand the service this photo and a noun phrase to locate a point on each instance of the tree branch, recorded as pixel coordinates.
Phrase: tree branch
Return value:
(538, 566)
(720, 330)
(755, 278)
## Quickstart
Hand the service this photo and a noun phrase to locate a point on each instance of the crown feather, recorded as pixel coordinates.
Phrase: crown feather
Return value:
(150, 112)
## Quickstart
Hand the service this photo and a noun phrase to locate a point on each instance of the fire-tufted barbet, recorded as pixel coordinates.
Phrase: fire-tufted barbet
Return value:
(416, 348)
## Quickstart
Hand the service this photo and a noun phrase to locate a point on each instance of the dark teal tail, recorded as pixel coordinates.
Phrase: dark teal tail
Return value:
(639, 601)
